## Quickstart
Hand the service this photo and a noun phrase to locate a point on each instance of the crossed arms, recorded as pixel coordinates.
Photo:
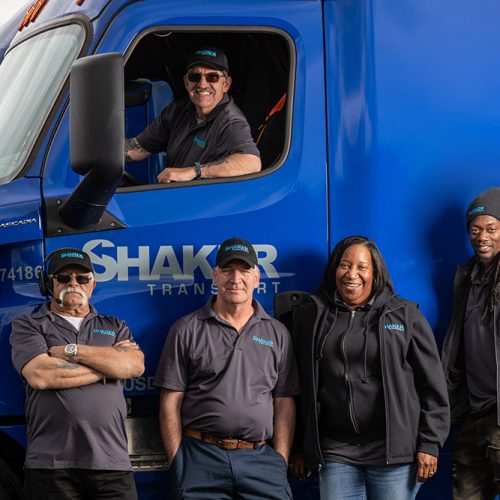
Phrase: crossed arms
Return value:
(52, 370)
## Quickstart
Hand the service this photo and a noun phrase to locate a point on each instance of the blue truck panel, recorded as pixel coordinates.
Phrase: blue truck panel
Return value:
(389, 129)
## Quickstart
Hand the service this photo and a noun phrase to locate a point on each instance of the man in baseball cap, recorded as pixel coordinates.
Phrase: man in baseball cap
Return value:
(206, 135)
(73, 361)
(228, 377)
(471, 357)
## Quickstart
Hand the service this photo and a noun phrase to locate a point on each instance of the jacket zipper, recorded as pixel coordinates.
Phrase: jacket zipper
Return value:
(346, 375)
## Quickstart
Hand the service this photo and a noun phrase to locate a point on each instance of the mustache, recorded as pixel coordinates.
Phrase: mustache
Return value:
(228, 288)
(203, 89)
(72, 289)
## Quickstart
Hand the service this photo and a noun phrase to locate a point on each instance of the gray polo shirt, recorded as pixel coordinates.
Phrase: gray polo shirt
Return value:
(79, 428)
(176, 130)
(229, 379)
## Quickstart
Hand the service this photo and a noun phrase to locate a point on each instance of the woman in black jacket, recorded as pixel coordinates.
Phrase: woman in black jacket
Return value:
(374, 407)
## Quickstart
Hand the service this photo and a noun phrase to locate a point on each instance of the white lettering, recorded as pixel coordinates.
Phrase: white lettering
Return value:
(265, 261)
(167, 289)
(125, 263)
(110, 265)
(193, 261)
(178, 265)
(166, 253)
(18, 223)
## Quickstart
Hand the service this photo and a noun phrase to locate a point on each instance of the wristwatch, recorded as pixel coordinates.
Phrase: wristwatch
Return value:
(71, 350)
(197, 167)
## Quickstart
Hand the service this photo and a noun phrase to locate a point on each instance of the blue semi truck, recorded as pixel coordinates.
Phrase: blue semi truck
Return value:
(375, 117)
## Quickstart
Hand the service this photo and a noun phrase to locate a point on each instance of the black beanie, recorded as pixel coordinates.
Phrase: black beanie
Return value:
(487, 203)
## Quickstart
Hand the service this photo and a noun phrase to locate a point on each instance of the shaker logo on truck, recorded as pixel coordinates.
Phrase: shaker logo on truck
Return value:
(15, 223)
(169, 269)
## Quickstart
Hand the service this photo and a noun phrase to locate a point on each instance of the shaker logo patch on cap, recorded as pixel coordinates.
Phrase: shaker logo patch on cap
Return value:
(477, 210)
(241, 248)
(210, 53)
(71, 254)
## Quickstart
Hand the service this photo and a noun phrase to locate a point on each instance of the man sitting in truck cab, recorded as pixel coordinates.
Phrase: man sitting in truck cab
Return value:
(205, 135)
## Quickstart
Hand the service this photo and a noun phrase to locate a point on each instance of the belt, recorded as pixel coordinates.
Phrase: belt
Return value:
(224, 443)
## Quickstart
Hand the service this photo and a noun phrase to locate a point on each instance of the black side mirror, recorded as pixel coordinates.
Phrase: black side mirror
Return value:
(97, 135)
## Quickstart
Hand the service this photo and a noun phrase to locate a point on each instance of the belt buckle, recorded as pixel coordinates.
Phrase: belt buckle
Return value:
(225, 443)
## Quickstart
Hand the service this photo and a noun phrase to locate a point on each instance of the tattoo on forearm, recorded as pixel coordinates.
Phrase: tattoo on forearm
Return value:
(67, 364)
(120, 348)
(132, 145)
(220, 161)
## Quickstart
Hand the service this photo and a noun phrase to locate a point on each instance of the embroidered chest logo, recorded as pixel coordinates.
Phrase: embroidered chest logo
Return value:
(267, 342)
(395, 327)
(105, 332)
(200, 142)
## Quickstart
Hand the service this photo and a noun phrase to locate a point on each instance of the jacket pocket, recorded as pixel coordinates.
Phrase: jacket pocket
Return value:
(454, 376)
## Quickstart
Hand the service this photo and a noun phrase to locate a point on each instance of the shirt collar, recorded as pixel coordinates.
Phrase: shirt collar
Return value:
(45, 311)
(207, 311)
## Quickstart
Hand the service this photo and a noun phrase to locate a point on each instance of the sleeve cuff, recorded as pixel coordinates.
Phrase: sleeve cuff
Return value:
(429, 448)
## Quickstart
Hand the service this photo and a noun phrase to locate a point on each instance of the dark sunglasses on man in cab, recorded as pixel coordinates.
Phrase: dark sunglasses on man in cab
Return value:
(209, 77)
(81, 279)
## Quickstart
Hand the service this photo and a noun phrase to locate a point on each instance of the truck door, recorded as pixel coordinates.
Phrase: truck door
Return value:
(158, 266)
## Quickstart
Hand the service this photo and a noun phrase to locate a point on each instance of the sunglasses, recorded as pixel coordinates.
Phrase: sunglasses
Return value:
(209, 77)
(81, 279)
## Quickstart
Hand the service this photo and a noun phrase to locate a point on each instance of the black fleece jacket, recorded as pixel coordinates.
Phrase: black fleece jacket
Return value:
(417, 416)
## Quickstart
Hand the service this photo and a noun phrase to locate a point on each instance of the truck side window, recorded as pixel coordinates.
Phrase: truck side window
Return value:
(260, 69)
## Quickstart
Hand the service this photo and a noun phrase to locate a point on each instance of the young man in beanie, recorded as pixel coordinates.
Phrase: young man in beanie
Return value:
(205, 135)
(228, 377)
(72, 361)
(471, 356)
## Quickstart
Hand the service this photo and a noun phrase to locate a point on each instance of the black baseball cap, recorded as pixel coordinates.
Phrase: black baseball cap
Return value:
(236, 249)
(69, 257)
(208, 56)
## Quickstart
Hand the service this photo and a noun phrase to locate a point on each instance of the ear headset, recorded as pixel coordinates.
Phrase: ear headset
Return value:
(44, 281)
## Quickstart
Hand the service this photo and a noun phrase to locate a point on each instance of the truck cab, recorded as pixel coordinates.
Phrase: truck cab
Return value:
(370, 118)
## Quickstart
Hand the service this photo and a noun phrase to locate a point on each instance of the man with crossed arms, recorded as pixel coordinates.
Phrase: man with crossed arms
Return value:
(72, 361)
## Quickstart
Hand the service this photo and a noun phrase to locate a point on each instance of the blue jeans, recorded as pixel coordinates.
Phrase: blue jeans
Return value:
(341, 482)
